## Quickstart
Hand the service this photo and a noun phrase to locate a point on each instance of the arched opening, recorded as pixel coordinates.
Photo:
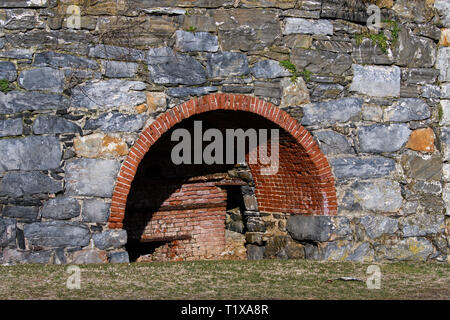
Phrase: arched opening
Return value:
(186, 211)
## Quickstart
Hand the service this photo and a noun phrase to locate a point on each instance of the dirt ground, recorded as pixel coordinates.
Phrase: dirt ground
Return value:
(266, 279)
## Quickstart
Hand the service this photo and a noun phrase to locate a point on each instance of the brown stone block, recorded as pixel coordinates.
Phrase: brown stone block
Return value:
(422, 140)
(445, 37)
(98, 145)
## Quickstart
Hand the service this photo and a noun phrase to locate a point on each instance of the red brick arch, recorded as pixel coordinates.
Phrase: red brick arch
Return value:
(318, 187)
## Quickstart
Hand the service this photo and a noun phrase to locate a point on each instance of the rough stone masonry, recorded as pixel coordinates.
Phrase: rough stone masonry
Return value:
(74, 100)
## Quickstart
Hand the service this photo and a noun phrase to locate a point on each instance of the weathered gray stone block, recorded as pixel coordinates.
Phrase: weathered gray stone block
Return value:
(344, 9)
(18, 101)
(268, 69)
(350, 167)
(237, 89)
(445, 143)
(169, 11)
(103, 94)
(24, 19)
(432, 187)
(383, 138)
(118, 69)
(420, 75)
(380, 196)
(255, 224)
(67, 39)
(57, 234)
(184, 92)
(304, 26)
(196, 41)
(119, 257)
(443, 7)
(423, 168)
(8, 71)
(341, 228)
(12, 256)
(117, 53)
(61, 208)
(53, 124)
(322, 62)
(422, 224)
(341, 46)
(410, 207)
(91, 177)
(330, 112)
(407, 109)
(282, 4)
(267, 89)
(226, 64)
(410, 249)
(31, 153)
(446, 172)
(372, 113)
(369, 53)
(409, 90)
(17, 184)
(7, 232)
(110, 239)
(116, 122)
(376, 226)
(377, 81)
(283, 247)
(445, 107)
(415, 52)
(167, 67)
(11, 127)
(413, 10)
(433, 204)
(327, 91)
(95, 210)
(46, 79)
(250, 202)
(446, 198)
(255, 252)
(445, 90)
(345, 251)
(361, 253)
(61, 60)
(22, 213)
(331, 143)
(334, 251)
(443, 63)
(431, 92)
(24, 3)
(202, 22)
(251, 29)
(17, 54)
(309, 228)
(312, 252)
(40, 257)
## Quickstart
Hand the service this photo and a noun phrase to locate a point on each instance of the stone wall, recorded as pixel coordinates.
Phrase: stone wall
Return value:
(74, 100)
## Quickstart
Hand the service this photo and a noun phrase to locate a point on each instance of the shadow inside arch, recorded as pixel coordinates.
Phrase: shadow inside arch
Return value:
(294, 188)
